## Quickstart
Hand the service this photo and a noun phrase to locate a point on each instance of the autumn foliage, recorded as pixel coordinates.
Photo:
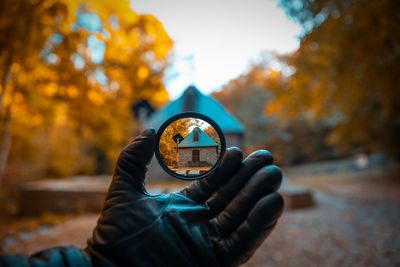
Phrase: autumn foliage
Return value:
(69, 73)
(167, 144)
(347, 71)
(71, 69)
(340, 89)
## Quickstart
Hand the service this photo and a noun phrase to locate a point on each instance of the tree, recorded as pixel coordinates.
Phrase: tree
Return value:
(69, 72)
(212, 133)
(167, 145)
(245, 96)
(291, 141)
(21, 42)
(347, 71)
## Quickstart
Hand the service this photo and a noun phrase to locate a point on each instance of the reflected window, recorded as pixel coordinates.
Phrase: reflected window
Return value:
(196, 135)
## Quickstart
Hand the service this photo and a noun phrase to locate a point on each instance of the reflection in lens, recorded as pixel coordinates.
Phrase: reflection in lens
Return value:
(190, 147)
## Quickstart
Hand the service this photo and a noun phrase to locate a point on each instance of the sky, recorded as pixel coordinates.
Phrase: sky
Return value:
(216, 40)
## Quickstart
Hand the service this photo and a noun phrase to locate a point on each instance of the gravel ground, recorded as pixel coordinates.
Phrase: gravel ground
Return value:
(356, 222)
(338, 232)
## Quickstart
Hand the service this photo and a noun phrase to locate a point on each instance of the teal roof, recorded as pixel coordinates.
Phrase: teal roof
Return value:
(204, 140)
(199, 103)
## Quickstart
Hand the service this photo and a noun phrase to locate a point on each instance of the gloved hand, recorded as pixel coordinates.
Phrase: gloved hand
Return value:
(216, 221)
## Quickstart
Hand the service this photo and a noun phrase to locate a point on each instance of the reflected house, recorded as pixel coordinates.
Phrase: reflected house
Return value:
(191, 100)
(197, 150)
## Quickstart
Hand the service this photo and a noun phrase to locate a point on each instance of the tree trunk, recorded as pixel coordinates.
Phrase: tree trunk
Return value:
(5, 144)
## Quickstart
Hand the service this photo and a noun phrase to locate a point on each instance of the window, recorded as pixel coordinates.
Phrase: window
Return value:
(195, 155)
(196, 135)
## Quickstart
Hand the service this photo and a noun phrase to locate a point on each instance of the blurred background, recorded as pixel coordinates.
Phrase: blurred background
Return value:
(316, 82)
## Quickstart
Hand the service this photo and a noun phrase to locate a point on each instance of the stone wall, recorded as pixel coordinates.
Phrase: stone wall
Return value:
(233, 139)
(80, 194)
(208, 154)
(156, 173)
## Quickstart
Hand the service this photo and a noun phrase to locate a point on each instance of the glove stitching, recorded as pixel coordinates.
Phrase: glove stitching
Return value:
(144, 229)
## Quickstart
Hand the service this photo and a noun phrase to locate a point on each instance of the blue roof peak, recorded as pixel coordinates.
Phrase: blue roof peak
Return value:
(193, 100)
(202, 139)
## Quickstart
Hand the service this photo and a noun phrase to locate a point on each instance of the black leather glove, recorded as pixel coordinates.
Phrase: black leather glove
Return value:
(51, 257)
(216, 221)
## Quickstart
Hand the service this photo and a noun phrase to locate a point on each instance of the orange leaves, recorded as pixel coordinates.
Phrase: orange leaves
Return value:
(274, 108)
(60, 115)
(96, 97)
(347, 71)
(162, 43)
(167, 144)
(50, 89)
(160, 98)
(118, 8)
(143, 72)
(74, 110)
(15, 67)
(162, 49)
(72, 91)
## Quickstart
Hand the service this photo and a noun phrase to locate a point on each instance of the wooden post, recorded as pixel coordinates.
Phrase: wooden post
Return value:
(177, 154)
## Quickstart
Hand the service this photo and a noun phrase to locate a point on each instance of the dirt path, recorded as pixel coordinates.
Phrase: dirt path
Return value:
(73, 231)
(338, 232)
(356, 222)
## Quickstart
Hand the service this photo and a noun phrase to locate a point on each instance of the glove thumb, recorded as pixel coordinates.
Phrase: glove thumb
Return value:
(132, 163)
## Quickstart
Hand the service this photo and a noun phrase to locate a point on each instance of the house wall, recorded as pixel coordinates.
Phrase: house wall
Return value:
(208, 154)
(156, 173)
(233, 139)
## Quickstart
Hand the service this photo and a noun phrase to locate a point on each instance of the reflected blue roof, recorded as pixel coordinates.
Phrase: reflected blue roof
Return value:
(204, 140)
(202, 104)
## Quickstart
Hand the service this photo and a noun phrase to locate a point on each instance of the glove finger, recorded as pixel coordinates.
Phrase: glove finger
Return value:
(241, 245)
(132, 163)
(230, 189)
(265, 181)
(202, 189)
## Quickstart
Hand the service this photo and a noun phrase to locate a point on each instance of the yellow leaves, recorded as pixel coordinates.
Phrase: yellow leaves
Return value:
(50, 89)
(19, 98)
(167, 145)
(122, 45)
(152, 26)
(95, 97)
(274, 78)
(22, 114)
(273, 74)
(161, 50)
(161, 41)
(61, 110)
(72, 91)
(72, 7)
(60, 115)
(134, 38)
(15, 67)
(7, 99)
(318, 100)
(274, 107)
(160, 97)
(143, 72)
(37, 120)
(128, 40)
(119, 8)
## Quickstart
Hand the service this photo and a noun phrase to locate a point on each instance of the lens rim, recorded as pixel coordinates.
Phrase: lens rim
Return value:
(189, 114)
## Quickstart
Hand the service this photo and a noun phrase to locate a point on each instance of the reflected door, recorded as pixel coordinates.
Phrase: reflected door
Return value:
(196, 157)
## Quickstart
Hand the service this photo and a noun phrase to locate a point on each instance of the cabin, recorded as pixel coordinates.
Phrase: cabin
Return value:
(197, 150)
(193, 100)
(85, 194)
